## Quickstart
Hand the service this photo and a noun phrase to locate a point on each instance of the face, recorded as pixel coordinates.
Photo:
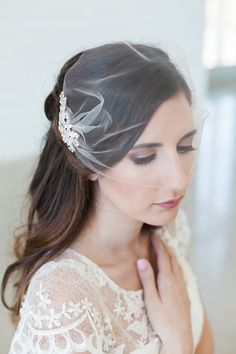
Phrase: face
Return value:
(151, 174)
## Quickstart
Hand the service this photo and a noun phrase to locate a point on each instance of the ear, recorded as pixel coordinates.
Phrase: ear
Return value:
(93, 177)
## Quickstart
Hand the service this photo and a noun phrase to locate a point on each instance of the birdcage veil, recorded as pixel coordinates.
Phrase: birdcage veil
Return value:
(112, 75)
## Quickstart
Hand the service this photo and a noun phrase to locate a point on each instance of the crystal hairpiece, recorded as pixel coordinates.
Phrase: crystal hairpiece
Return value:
(69, 136)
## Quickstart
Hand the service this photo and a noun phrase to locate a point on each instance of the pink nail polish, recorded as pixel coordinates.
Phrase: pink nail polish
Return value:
(141, 263)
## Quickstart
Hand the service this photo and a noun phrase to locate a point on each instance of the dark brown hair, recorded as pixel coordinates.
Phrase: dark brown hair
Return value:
(60, 195)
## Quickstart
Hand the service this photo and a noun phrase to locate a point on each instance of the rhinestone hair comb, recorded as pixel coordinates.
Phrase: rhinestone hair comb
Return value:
(69, 136)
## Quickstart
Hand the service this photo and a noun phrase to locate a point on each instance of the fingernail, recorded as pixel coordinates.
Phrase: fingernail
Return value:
(141, 264)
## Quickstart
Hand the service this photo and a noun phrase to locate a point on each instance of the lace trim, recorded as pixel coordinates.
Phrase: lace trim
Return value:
(102, 275)
(129, 304)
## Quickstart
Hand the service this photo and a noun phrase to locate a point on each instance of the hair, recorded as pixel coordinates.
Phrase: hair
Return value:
(60, 195)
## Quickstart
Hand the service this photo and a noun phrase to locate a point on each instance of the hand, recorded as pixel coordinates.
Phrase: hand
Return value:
(166, 301)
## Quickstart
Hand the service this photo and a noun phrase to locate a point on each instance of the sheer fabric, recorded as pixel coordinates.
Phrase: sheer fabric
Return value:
(72, 306)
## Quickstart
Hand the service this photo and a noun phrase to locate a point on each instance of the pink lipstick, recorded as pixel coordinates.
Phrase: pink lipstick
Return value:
(168, 204)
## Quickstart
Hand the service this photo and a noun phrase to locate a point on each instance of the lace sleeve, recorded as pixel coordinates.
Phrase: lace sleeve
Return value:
(182, 232)
(59, 314)
(178, 234)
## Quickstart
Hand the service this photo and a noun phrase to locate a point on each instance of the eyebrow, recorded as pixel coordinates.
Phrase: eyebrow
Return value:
(189, 134)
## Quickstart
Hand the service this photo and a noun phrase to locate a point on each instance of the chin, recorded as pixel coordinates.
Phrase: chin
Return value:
(164, 216)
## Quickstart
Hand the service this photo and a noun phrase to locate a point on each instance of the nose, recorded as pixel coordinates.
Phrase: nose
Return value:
(177, 173)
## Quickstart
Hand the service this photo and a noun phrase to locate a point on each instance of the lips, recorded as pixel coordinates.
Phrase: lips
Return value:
(169, 203)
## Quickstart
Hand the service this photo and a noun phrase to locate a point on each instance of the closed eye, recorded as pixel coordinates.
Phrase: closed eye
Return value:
(183, 149)
(147, 159)
(144, 160)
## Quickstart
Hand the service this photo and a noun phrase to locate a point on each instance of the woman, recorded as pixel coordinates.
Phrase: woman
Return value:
(102, 265)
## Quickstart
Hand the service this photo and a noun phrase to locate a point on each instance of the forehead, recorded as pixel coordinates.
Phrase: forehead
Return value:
(172, 119)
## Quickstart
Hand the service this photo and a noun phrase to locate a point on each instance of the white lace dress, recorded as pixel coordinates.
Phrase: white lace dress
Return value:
(72, 306)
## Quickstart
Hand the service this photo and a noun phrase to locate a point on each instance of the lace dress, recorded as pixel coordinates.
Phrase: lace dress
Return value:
(72, 306)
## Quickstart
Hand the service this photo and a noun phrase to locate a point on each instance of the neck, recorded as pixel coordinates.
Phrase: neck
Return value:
(112, 240)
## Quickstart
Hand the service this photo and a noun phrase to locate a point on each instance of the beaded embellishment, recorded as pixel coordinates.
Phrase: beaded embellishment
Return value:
(69, 136)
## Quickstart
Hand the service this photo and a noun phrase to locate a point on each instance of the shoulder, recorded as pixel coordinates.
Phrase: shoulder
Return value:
(60, 272)
(61, 309)
(57, 285)
(177, 233)
(182, 227)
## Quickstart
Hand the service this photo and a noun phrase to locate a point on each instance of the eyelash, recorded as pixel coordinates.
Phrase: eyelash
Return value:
(145, 160)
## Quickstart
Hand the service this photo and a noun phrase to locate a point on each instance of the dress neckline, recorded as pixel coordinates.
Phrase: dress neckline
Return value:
(113, 284)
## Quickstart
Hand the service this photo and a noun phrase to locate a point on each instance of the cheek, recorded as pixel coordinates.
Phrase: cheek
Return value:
(136, 202)
(129, 198)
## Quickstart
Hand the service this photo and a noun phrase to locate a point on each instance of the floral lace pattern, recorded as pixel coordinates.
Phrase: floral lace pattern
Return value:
(71, 306)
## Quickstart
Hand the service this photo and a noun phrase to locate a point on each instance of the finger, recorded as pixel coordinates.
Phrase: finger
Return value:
(163, 256)
(179, 274)
(147, 278)
(176, 268)
(172, 257)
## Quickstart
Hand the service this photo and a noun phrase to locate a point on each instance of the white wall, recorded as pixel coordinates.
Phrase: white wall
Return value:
(37, 37)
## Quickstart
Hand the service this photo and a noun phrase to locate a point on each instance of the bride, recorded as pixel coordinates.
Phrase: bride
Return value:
(102, 264)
